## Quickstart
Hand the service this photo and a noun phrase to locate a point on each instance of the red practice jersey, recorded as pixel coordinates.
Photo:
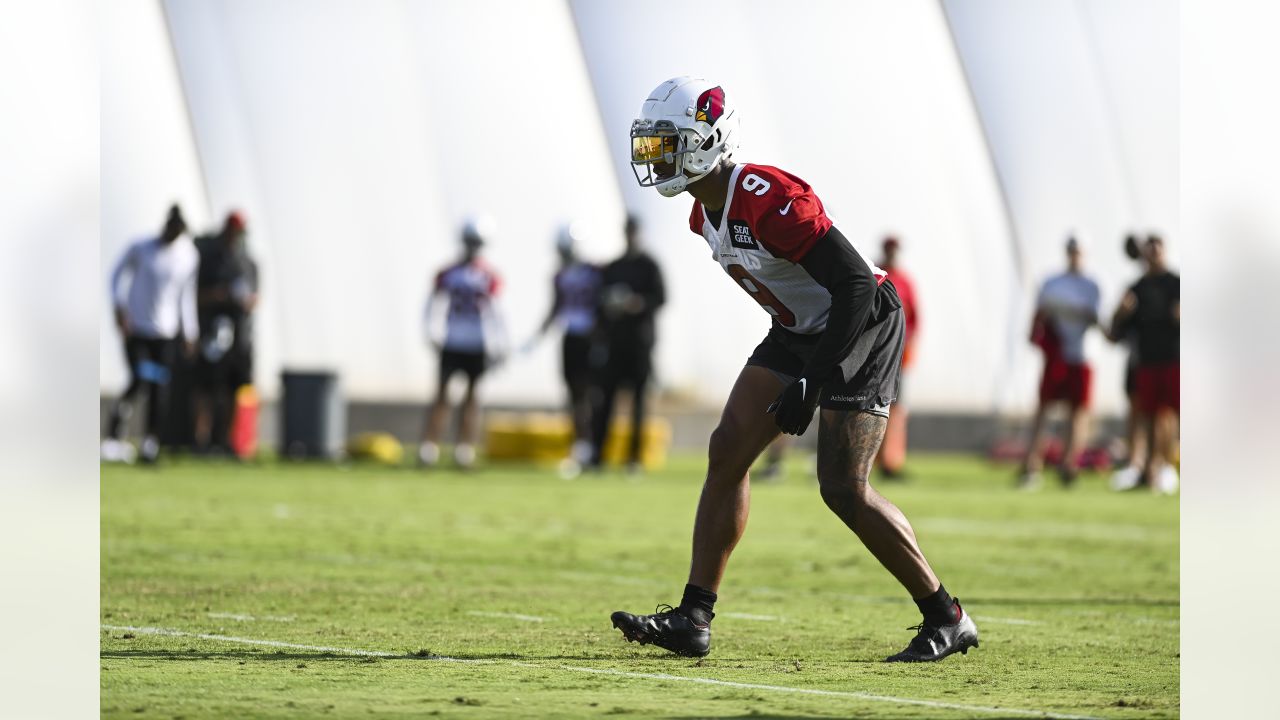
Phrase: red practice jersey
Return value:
(910, 309)
(771, 219)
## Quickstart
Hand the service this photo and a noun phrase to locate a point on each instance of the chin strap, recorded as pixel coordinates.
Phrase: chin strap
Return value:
(677, 185)
(674, 186)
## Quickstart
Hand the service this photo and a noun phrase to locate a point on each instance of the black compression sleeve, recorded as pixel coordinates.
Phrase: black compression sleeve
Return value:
(839, 268)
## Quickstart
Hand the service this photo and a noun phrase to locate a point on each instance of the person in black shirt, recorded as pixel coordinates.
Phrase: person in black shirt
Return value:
(631, 291)
(1135, 438)
(1150, 313)
(226, 297)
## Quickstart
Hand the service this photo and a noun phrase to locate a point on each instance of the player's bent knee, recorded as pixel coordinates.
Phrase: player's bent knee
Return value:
(720, 446)
(844, 499)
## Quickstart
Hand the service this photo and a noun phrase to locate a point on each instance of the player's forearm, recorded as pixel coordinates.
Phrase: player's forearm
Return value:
(837, 266)
(117, 278)
(547, 322)
(850, 308)
(1120, 322)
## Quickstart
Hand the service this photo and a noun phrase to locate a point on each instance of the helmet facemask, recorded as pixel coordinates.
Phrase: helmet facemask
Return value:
(672, 157)
(661, 149)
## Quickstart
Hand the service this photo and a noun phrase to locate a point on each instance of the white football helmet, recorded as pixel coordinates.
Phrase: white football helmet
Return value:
(684, 130)
(477, 231)
(567, 238)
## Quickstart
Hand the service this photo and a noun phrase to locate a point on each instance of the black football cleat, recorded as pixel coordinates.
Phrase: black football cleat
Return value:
(668, 628)
(935, 642)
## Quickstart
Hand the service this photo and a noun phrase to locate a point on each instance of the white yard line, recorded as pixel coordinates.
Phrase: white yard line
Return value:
(508, 616)
(617, 673)
(251, 641)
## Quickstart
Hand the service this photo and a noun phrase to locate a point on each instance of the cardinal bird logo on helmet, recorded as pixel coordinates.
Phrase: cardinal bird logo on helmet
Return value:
(710, 106)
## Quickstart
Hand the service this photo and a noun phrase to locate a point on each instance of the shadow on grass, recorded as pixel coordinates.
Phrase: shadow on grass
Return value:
(192, 654)
(1082, 601)
(672, 662)
(1134, 601)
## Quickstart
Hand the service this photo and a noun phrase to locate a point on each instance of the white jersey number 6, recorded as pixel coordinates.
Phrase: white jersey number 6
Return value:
(755, 184)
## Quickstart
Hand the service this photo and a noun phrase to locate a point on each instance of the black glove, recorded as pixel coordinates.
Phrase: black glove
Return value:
(793, 410)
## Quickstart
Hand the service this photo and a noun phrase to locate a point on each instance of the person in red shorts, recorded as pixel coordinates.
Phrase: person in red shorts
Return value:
(1150, 310)
(893, 451)
(1066, 308)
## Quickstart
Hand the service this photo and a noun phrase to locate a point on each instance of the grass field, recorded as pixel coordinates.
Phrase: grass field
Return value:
(488, 594)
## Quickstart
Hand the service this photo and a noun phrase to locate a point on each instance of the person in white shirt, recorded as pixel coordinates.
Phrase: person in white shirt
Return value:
(157, 302)
(474, 339)
(1065, 310)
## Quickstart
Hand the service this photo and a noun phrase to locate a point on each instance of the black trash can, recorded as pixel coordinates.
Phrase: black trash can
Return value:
(313, 416)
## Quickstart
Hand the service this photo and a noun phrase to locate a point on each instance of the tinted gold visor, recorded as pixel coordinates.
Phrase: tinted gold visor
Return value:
(652, 148)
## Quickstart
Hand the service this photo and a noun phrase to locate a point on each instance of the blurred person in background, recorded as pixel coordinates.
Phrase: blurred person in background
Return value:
(576, 290)
(1151, 311)
(1135, 451)
(631, 292)
(774, 456)
(893, 451)
(158, 304)
(1066, 307)
(473, 341)
(227, 295)
(835, 342)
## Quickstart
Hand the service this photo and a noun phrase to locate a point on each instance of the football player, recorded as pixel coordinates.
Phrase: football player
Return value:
(632, 292)
(1151, 311)
(835, 343)
(473, 336)
(1066, 308)
(576, 287)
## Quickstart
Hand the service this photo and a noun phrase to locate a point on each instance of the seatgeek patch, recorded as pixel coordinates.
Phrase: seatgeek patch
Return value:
(740, 235)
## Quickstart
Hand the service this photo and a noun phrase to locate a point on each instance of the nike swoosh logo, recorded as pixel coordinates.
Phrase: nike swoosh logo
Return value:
(803, 386)
(786, 209)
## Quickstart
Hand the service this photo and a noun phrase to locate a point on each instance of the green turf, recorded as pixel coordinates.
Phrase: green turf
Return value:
(1075, 594)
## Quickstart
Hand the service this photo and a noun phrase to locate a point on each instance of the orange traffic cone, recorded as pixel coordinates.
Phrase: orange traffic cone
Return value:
(244, 423)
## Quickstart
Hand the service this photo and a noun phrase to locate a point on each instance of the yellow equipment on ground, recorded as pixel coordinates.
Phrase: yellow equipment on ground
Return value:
(547, 438)
(379, 447)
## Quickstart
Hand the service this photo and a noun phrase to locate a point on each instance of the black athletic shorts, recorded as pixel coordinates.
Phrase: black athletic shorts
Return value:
(621, 361)
(229, 371)
(575, 358)
(472, 364)
(871, 373)
(151, 359)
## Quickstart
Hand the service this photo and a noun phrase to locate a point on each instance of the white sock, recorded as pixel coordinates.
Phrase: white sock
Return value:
(464, 454)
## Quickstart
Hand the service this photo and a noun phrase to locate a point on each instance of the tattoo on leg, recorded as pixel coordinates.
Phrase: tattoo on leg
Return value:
(848, 446)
